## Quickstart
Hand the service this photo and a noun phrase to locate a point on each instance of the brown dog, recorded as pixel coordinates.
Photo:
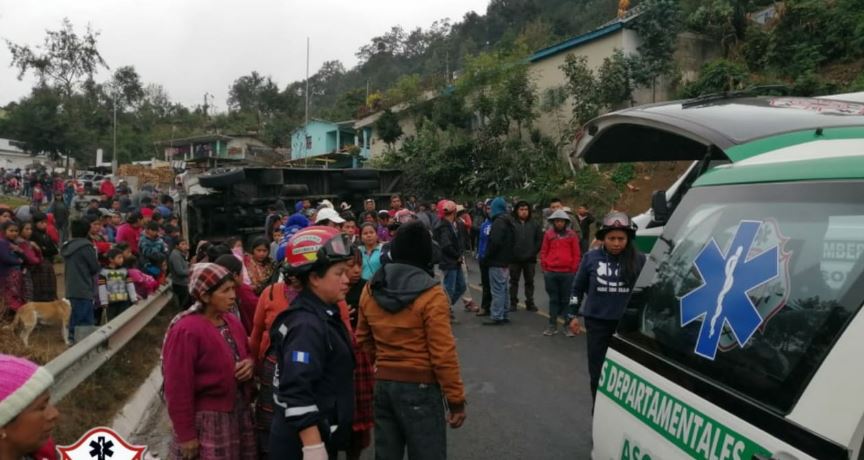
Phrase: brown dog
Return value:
(32, 312)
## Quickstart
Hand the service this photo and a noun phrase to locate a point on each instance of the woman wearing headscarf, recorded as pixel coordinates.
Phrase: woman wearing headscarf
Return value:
(208, 372)
(27, 416)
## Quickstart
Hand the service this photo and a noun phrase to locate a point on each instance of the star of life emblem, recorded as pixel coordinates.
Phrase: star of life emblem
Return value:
(101, 444)
(742, 287)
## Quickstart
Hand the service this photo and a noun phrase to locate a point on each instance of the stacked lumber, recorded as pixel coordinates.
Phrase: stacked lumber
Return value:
(148, 175)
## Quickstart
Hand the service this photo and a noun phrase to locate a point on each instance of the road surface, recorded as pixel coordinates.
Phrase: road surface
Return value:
(527, 394)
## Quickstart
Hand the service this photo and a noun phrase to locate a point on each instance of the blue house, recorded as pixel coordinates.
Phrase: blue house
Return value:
(321, 137)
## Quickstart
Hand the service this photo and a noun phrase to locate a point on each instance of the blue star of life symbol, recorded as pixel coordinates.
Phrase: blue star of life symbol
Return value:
(101, 449)
(722, 300)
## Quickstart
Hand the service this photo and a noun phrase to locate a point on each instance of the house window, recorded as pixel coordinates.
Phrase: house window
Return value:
(308, 142)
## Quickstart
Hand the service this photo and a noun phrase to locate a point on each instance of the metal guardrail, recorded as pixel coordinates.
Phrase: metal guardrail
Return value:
(81, 360)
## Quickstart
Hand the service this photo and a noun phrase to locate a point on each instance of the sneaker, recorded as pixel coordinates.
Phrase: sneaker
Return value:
(550, 331)
(568, 332)
(531, 308)
(484, 313)
(471, 306)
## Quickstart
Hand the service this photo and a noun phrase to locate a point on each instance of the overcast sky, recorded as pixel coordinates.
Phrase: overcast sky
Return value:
(196, 46)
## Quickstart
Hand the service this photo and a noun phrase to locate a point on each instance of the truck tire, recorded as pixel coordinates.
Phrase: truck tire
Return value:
(271, 177)
(295, 189)
(222, 179)
(360, 174)
(361, 185)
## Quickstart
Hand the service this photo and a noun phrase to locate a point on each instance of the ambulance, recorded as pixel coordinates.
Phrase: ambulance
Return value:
(742, 339)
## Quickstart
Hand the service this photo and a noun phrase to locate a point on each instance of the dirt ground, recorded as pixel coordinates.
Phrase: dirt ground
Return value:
(96, 401)
(649, 177)
(99, 398)
(45, 341)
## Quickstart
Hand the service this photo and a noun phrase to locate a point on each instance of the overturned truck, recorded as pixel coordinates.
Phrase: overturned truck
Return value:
(233, 202)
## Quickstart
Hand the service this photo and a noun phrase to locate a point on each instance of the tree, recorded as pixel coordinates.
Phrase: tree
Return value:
(388, 127)
(64, 59)
(615, 80)
(582, 86)
(39, 123)
(127, 87)
(658, 27)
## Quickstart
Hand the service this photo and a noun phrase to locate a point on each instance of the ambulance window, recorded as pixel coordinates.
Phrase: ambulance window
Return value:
(750, 285)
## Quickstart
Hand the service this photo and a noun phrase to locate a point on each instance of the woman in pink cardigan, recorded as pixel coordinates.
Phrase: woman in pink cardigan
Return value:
(208, 372)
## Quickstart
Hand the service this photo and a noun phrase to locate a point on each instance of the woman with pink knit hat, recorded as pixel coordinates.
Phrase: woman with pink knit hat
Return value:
(27, 416)
(208, 372)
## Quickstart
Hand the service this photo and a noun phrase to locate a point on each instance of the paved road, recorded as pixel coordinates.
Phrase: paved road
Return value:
(527, 394)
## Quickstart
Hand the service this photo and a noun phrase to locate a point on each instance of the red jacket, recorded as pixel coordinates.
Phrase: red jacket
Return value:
(560, 252)
(107, 189)
(247, 302)
(199, 371)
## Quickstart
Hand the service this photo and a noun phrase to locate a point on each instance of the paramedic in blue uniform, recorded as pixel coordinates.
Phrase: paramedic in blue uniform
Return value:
(603, 284)
(313, 384)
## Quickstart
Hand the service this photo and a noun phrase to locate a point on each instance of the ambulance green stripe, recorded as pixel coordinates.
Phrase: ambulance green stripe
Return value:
(695, 433)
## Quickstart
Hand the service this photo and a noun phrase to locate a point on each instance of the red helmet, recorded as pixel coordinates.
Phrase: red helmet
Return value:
(316, 245)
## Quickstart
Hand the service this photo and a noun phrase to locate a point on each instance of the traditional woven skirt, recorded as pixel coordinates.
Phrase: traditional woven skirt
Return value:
(13, 290)
(264, 403)
(44, 282)
(223, 435)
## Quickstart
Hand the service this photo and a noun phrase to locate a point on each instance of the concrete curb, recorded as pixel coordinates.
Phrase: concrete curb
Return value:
(137, 409)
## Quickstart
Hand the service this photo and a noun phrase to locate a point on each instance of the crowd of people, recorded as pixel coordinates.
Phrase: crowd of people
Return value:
(115, 249)
(295, 344)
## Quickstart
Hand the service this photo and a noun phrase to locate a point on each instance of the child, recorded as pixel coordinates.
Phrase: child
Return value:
(559, 259)
(259, 265)
(275, 238)
(157, 267)
(126, 250)
(11, 260)
(178, 266)
(31, 256)
(236, 245)
(144, 283)
(116, 289)
(81, 268)
(172, 236)
(151, 244)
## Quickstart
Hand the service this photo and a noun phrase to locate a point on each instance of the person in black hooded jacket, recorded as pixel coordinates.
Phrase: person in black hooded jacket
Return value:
(528, 237)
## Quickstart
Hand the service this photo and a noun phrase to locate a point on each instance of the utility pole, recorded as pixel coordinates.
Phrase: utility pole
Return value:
(205, 102)
(114, 151)
(306, 125)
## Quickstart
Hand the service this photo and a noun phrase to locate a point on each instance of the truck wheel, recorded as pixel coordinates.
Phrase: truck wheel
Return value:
(360, 174)
(222, 179)
(361, 185)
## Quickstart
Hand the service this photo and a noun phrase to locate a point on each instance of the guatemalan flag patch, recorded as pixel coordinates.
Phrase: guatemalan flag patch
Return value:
(300, 357)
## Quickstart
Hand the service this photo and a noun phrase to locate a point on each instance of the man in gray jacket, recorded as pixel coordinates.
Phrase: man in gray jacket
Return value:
(81, 268)
(529, 237)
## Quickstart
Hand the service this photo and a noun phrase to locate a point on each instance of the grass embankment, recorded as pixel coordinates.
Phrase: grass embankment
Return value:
(12, 201)
(99, 398)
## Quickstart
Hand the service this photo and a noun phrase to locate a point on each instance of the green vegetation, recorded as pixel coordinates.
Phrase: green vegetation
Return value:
(803, 48)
